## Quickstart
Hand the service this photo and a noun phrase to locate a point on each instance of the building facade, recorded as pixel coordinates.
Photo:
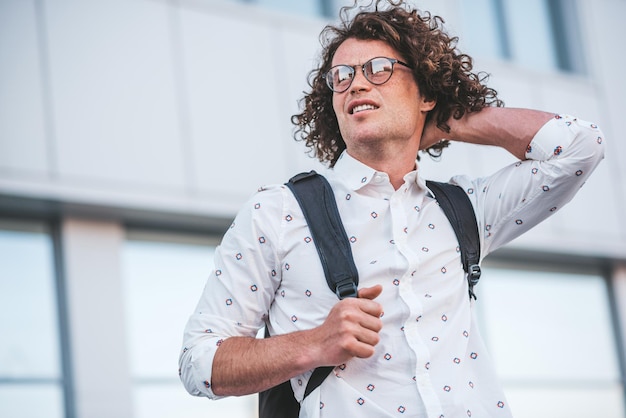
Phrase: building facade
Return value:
(131, 131)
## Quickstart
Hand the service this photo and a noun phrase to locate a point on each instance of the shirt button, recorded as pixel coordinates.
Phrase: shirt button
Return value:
(379, 178)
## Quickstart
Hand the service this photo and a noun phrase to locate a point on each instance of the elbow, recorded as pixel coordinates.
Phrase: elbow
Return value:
(194, 374)
(595, 146)
(186, 375)
(588, 148)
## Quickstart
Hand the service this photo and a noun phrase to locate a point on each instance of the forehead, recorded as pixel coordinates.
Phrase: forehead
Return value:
(356, 51)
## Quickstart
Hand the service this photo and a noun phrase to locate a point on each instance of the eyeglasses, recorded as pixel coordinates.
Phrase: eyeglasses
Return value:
(377, 71)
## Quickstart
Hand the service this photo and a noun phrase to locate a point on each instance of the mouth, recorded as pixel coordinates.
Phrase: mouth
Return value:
(362, 107)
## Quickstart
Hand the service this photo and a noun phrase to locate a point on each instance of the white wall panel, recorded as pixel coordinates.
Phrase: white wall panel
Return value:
(300, 49)
(23, 144)
(233, 103)
(605, 32)
(184, 107)
(595, 213)
(572, 95)
(113, 90)
(516, 88)
(100, 365)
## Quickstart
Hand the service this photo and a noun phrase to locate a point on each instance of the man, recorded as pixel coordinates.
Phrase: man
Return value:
(390, 83)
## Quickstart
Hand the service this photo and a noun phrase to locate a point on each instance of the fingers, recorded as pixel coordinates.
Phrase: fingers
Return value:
(351, 328)
(371, 293)
(361, 349)
(364, 316)
(353, 339)
(369, 337)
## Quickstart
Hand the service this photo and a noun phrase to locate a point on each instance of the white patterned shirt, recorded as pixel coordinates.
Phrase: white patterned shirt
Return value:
(431, 360)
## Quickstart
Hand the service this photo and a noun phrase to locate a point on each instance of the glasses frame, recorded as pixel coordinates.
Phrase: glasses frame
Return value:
(353, 68)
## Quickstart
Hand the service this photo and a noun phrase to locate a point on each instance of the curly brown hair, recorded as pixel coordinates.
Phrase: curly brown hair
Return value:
(441, 72)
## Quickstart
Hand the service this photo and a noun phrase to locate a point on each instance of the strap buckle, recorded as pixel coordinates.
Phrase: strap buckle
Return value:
(346, 288)
(473, 275)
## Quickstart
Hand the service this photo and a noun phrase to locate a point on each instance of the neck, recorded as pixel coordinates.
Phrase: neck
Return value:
(396, 164)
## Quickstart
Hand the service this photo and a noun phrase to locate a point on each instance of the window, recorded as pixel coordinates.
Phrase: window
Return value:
(552, 338)
(163, 278)
(31, 372)
(303, 7)
(538, 34)
(326, 8)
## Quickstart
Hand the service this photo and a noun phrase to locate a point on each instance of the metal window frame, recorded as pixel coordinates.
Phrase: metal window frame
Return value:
(65, 381)
(564, 19)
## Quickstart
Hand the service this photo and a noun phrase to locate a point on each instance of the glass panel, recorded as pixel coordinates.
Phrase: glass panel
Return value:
(162, 284)
(31, 401)
(550, 402)
(304, 7)
(551, 336)
(166, 401)
(335, 5)
(29, 347)
(163, 279)
(541, 324)
(526, 32)
(481, 33)
(530, 34)
(567, 36)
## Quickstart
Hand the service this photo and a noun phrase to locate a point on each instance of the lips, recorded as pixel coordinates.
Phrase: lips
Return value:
(363, 107)
(360, 106)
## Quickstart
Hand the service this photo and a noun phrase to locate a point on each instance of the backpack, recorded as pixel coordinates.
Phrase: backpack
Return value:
(317, 201)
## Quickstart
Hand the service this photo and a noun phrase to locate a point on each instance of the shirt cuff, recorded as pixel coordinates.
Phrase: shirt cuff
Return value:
(196, 371)
(552, 138)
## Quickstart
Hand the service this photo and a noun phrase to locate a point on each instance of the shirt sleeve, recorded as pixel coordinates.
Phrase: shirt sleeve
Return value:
(238, 292)
(560, 158)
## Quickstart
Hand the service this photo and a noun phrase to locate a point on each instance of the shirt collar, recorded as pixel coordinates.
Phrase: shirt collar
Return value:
(356, 175)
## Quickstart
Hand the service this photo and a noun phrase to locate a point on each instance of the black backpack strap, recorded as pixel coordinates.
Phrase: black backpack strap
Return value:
(317, 201)
(458, 208)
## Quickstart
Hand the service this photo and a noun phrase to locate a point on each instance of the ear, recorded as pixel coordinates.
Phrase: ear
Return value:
(426, 104)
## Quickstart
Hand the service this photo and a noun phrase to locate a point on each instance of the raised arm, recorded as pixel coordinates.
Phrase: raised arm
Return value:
(559, 153)
(509, 128)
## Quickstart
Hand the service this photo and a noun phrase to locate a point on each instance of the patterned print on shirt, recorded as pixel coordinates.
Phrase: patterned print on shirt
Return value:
(418, 268)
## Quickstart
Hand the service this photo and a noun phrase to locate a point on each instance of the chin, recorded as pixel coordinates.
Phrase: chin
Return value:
(365, 136)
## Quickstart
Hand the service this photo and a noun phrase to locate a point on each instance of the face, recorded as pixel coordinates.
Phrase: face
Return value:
(372, 116)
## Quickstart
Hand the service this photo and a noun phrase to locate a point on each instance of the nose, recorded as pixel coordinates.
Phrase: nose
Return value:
(360, 83)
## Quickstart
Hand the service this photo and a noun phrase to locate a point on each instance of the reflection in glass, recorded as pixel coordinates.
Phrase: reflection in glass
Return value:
(31, 401)
(530, 33)
(163, 280)
(552, 339)
(30, 360)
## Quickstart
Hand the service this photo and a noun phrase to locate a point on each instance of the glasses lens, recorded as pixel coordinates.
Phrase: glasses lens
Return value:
(379, 70)
(339, 78)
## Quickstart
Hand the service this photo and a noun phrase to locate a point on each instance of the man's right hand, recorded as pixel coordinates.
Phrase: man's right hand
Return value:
(351, 328)
(244, 365)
